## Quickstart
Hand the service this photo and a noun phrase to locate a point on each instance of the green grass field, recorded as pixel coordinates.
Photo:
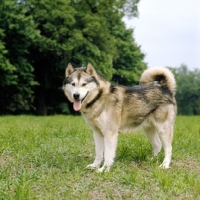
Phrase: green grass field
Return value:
(45, 158)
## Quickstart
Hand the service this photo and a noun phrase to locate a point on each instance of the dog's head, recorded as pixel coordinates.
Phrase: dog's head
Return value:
(79, 82)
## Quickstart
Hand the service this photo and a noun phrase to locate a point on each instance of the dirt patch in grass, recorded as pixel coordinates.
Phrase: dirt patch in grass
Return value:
(189, 164)
(5, 160)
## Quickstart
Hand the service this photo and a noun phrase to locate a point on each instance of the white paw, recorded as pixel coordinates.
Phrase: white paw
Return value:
(104, 168)
(92, 166)
(152, 158)
(164, 165)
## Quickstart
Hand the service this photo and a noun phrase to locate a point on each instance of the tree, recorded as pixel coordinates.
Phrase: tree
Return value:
(188, 90)
(128, 63)
(52, 49)
(39, 37)
(16, 77)
(78, 32)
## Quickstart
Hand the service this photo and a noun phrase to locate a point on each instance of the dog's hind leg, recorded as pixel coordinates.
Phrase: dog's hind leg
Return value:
(99, 148)
(153, 137)
(166, 135)
(110, 142)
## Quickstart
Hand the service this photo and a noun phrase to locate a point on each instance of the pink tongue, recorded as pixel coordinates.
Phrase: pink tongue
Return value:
(77, 105)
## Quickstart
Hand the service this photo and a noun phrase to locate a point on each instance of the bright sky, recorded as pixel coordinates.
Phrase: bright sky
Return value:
(168, 32)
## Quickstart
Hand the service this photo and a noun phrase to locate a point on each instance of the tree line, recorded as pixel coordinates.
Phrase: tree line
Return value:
(39, 37)
(188, 90)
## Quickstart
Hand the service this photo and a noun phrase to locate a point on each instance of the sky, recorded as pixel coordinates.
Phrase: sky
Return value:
(168, 32)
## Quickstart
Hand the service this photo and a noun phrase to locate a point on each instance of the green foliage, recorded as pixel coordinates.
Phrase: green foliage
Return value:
(78, 32)
(188, 90)
(16, 78)
(45, 158)
(51, 50)
(6, 68)
(39, 38)
(128, 62)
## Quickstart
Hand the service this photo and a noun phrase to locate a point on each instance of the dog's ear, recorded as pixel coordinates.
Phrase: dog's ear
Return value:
(90, 70)
(69, 69)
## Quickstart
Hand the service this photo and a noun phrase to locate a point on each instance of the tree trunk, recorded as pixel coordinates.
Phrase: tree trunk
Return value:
(41, 108)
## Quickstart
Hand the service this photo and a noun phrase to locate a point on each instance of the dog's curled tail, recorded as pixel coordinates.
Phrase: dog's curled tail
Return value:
(161, 76)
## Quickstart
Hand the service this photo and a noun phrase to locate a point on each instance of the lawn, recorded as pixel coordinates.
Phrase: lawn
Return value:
(45, 158)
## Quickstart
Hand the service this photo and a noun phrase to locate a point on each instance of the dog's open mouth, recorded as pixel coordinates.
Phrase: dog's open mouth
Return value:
(78, 103)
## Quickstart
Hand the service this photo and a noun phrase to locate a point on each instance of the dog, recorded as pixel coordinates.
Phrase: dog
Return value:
(110, 109)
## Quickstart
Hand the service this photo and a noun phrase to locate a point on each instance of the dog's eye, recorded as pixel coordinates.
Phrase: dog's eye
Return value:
(73, 84)
(84, 84)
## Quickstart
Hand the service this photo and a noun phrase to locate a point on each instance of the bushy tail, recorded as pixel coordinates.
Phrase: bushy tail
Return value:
(159, 75)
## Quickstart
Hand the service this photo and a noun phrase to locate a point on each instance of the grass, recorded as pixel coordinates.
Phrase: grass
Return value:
(45, 158)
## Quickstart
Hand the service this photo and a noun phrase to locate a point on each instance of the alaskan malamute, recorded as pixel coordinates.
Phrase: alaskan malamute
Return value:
(110, 109)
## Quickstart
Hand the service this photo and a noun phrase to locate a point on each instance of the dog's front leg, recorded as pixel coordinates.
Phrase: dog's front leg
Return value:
(110, 143)
(99, 147)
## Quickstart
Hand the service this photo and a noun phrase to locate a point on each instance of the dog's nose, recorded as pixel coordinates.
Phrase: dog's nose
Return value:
(76, 96)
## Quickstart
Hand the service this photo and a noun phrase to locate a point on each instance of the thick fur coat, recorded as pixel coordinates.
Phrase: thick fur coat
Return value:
(110, 110)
